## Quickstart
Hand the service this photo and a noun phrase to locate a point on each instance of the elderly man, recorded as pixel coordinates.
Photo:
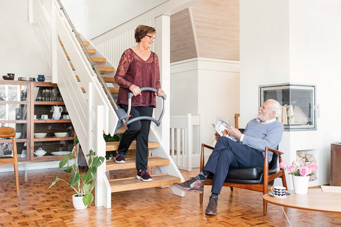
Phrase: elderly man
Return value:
(248, 151)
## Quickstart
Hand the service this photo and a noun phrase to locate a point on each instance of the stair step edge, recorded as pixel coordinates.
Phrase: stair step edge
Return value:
(131, 183)
(130, 163)
(113, 146)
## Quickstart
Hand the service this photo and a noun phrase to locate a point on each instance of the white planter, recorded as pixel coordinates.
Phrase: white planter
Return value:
(300, 184)
(78, 202)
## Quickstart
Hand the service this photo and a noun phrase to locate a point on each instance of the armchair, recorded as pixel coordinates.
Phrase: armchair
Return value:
(254, 178)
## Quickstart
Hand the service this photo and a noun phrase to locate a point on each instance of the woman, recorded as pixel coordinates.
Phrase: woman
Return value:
(138, 67)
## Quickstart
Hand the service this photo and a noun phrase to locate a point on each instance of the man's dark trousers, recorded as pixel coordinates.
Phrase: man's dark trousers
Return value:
(228, 153)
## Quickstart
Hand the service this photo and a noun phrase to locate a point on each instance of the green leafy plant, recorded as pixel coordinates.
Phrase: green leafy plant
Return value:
(114, 138)
(85, 183)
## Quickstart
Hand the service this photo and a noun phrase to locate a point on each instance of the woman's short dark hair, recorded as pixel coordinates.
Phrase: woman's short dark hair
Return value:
(141, 31)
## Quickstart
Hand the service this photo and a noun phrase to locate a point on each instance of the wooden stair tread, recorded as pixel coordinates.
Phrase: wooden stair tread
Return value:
(131, 163)
(102, 60)
(113, 90)
(105, 69)
(131, 183)
(113, 146)
(86, 43)
(92, 51)
(109, 79)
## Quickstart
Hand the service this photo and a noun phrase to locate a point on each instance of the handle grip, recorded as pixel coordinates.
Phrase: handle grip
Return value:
(157, 122)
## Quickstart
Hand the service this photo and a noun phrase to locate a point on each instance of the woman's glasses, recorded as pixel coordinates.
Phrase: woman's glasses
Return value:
(151, 37)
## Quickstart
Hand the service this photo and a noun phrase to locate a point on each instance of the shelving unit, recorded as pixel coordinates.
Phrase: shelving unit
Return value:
(20, 102)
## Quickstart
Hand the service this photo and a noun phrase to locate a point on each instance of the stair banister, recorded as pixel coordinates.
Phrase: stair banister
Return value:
(121, 113)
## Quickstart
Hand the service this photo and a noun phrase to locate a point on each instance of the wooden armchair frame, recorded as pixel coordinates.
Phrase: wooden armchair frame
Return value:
(264, 187)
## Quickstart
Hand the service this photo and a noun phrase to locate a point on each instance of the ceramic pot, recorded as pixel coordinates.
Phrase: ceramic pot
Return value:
(300, 184)
(41, 78)
(78, 202)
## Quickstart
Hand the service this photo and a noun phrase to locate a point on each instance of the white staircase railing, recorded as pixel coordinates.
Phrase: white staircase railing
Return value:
(91, 112)
(182, 139)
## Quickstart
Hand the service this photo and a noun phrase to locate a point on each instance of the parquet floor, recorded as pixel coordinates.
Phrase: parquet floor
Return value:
(40, 206)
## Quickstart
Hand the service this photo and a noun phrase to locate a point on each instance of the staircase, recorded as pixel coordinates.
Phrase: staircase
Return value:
(91, 110)
(131, 183)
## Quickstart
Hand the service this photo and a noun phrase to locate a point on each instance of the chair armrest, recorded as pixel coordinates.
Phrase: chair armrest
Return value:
(202, 156)
(273, 150)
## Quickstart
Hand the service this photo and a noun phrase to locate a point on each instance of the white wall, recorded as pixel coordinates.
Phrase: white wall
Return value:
(208, 87)
(20, 50)
(106, 14)
(299, 42)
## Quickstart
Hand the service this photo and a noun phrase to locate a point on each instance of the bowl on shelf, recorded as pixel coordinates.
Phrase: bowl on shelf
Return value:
(17, 135)
(40, 152)
(39, 135)
(61, 134)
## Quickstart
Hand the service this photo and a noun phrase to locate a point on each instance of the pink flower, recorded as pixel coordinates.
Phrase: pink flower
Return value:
(296, 163)
(304, 171)
(283, 165)
(313, 167)
(291, 168)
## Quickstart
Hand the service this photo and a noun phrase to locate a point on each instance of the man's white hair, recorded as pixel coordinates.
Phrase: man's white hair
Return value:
(276, 107)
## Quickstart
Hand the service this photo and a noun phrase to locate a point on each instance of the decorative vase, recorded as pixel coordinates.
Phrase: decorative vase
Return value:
(300, 184)
(41, 78)
(78, 202)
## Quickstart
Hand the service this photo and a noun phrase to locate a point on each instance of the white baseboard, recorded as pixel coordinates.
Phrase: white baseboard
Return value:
(22, 166)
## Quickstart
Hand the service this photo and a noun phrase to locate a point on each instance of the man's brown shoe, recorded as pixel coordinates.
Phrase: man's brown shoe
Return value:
(191, 185)
(212, 206)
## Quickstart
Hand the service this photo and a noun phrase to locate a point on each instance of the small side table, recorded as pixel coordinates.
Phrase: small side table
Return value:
(335, 160)
(315, 200)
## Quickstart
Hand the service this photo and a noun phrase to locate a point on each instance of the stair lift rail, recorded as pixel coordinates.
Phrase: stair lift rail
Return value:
(121, 114)
(157, 122)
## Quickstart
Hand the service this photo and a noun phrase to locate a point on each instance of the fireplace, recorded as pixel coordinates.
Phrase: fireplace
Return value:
(298, 104)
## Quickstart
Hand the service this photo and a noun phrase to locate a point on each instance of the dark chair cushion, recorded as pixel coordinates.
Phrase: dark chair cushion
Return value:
(251, 175)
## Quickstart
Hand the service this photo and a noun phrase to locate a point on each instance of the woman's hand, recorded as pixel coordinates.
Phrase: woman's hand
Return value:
(135, 89)
(160, 92)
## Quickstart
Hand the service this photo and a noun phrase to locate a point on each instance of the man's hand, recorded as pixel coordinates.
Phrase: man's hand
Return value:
(234, 132)
(217, 136)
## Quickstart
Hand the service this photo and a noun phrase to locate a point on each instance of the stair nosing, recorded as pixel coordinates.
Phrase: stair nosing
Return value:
(152, 161)
(122, 184)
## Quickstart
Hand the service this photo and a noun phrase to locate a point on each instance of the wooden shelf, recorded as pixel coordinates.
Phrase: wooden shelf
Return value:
(52, 139)
(13, 102)
(10, 141)
(52, 121)
(48, 103)
(14, 121)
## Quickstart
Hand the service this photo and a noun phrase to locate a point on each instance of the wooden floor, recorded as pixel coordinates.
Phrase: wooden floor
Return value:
(40, 206)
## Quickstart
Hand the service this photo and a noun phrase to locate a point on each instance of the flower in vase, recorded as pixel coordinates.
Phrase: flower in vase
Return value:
(298, 169)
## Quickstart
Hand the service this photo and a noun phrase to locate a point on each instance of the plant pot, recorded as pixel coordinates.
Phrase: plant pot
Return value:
(300, 184)
(78, 202)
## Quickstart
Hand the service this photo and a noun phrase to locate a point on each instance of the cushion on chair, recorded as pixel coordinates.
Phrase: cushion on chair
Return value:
(251, 175)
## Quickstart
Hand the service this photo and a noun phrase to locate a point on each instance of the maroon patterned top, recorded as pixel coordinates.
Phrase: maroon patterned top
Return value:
(134, 70)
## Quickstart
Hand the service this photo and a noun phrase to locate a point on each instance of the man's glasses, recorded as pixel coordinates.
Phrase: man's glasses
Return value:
(151, 37)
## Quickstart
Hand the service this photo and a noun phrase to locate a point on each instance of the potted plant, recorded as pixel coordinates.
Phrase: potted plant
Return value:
(83, 184)
(300, 174)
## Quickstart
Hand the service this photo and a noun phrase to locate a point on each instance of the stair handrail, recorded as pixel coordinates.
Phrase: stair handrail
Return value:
(122, 116)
